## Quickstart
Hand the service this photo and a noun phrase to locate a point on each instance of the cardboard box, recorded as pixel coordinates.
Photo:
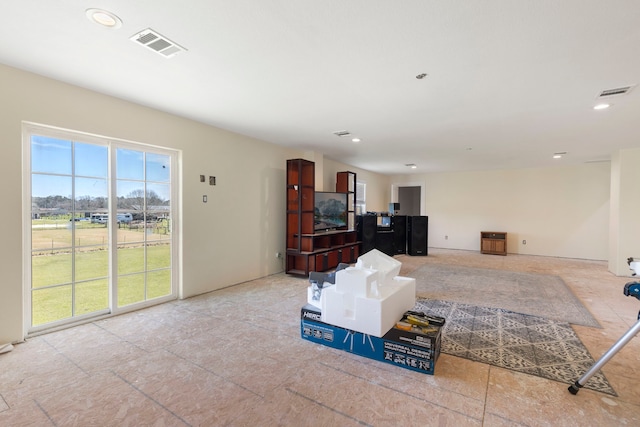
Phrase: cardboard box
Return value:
(407, 349)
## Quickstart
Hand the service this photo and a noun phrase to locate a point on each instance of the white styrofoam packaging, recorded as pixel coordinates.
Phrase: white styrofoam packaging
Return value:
(314, 295)
(635, 267)
(386, 266)
(360, 302)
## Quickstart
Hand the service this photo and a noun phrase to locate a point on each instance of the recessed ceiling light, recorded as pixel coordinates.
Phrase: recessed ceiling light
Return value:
(411, 165)
(601, 106)
(559, 155)
(104, 18)
(355, 140)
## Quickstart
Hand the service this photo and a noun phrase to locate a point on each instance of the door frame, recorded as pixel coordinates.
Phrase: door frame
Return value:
(394, 193)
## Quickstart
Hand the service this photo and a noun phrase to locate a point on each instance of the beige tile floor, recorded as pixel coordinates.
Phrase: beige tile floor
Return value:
(234, 357)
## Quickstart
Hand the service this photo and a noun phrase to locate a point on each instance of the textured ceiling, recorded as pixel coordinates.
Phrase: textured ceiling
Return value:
(509, 82)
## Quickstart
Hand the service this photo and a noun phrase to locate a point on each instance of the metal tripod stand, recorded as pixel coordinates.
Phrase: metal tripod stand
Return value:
(630, 289)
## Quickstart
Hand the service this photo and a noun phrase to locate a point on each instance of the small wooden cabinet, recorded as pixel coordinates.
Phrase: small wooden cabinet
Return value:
(493, 242)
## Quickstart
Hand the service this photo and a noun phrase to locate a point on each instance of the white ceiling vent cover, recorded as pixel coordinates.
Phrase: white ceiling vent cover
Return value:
(615, 92)
(157, 43)
(342, 133)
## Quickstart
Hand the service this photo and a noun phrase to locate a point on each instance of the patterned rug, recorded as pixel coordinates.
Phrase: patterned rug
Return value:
(537, 294)
(520, 342)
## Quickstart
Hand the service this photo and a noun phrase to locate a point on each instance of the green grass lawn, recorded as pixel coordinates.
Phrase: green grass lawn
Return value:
(91, 291)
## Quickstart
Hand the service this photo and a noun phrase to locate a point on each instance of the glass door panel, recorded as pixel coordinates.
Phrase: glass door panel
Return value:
(144, 231)
(68, 251)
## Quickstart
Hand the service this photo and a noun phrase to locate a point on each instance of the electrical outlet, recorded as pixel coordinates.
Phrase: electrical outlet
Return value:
(446, 237)
(524, 242)
(279, 255)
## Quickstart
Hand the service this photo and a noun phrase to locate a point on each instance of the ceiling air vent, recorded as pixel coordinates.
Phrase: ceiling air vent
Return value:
(342, 133)
(157, 43)
(615, 92)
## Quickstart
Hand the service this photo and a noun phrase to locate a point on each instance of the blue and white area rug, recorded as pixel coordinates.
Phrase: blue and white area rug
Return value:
(519, 342)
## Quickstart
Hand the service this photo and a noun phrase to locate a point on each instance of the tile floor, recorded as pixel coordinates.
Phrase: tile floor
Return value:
(234, 357)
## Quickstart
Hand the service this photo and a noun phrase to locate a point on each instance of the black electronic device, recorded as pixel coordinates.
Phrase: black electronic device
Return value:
(384, 222)
(417, 232)
(366, 230)
(384, 242)
(632, 289)
(399, 225)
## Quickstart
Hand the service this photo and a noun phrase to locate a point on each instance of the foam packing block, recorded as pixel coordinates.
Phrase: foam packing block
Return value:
(360, 302)
(386, 266)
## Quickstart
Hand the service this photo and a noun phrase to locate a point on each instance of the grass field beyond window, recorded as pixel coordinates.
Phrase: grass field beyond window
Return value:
(53, 293)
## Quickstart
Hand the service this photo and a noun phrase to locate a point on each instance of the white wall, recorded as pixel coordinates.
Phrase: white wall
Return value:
(230, 239)
(625, 212)
(377, 185)
(559, 211)
(614, 214)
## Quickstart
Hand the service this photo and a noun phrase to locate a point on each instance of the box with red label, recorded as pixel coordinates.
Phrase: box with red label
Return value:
(407, 349)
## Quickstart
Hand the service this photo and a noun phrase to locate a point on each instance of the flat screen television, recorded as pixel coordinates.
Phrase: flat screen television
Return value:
(330, 211)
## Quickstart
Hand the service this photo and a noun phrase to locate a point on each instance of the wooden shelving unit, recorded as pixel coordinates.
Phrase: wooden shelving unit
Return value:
(493, 242)
(307, 250)
(346, 183)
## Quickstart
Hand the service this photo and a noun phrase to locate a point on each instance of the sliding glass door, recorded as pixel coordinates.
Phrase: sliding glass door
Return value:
(101, 235)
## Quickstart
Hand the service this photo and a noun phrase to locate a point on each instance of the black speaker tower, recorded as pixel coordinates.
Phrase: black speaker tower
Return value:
(417, 233)
(399, 224)
(384, 242)
(366, 230)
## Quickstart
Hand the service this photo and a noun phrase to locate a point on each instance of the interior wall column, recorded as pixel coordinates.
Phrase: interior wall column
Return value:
(624, 219)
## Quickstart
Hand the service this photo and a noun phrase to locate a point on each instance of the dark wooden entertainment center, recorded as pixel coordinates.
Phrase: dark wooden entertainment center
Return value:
(309, 249)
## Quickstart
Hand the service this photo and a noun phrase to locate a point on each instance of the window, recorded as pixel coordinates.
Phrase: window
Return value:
(361, 198)
(100, 217)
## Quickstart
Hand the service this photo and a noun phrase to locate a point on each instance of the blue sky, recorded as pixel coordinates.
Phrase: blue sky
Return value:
(54, 158)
